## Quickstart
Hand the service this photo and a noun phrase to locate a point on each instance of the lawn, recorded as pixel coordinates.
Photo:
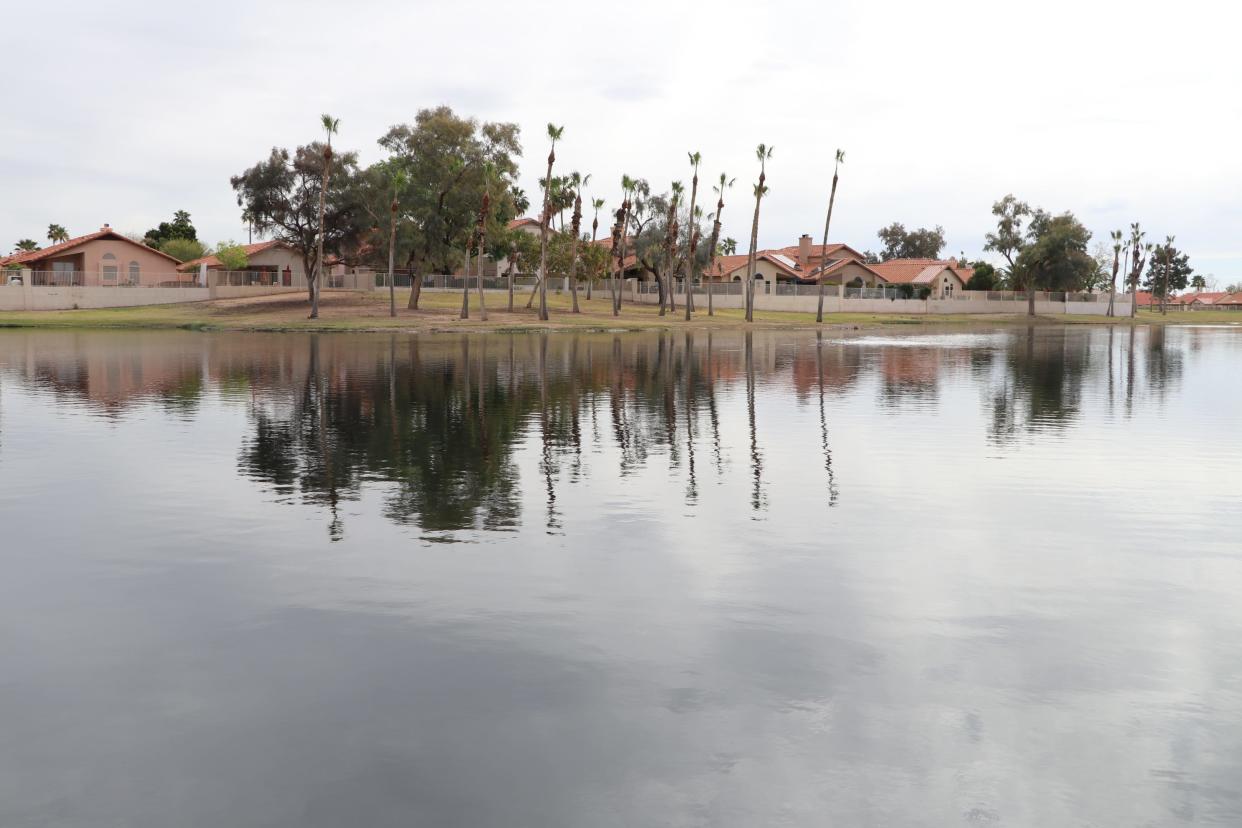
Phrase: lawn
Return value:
(440, 311)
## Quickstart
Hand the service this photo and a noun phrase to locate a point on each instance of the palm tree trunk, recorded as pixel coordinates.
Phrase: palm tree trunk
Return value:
(691, 247)
(465, 285)
(392, 248)
(479, 276)
(318, 276)
(750, 258)
(823, 253)
(575, 227)
(512, 265)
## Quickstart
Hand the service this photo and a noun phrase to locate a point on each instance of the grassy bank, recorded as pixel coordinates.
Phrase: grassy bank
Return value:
(439, 312)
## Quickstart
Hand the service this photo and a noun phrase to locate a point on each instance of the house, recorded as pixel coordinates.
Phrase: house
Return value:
(943, 278)
(1202, 300)
(803, 263)
(268, 263)
(103, 258)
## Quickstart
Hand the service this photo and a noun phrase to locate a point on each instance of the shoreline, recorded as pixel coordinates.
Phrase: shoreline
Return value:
(368, 313)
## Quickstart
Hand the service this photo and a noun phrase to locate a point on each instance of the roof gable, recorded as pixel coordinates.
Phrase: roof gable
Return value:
(55, 250)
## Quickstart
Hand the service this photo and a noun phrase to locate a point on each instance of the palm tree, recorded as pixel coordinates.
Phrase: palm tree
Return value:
(56, 233)
(576, 180)
(481, 235)
(554, 135)
(693, 242)
(27, 245)
(713, 248)
(465, 275)
(399, 181)
(763, 153)
(618, 239)
(596, 204)
(1137, 261)
(729, 246)
(1112, 285)
(670, 248)
(330, 127)
(823, 253)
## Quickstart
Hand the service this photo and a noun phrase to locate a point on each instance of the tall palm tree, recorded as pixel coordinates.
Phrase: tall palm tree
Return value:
(618, 239)
(692, 243)
(596, 204)
(56, 233)
(823, 253)
(763, 153)
(1137, 261)
(465, 275)
(484, 215)
(1112, 285)
(399, 181)
(554, 135)
(713, 248)
(670, 248)
(729, 246)
(576, 180)
(331, 126)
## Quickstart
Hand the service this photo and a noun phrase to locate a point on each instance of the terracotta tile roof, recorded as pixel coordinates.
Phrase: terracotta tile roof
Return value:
(525, 221)
(32, 256)
(833, 250)
(820, 273)
(915, 271)
(251, 250)
(1204, 297)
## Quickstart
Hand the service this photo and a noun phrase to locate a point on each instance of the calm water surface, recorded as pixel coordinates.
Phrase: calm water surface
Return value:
(982, 578)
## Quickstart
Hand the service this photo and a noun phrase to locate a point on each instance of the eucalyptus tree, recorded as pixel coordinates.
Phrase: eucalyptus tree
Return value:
(554, 135)
(331, 126)
(823, 252)
(763, 153)
(597, 204)
(692, 242)
(713, 248)
(1112, 284)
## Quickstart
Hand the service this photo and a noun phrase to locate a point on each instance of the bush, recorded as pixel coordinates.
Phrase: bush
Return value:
(924, 292)
(232, 256)
(183, 250)
(983, 279)
(906, 291)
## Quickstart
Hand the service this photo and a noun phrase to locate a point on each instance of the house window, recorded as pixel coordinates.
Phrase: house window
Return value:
(108, 267)
(133, 273)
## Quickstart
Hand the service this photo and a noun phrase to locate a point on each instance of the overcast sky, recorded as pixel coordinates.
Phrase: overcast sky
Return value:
(1119, 111)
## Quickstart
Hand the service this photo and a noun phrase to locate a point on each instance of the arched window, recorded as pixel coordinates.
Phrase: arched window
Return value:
(109, 268)
(133, 273)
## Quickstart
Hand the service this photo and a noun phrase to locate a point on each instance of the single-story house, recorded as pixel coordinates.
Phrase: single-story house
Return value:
(803, 263)
(268, 263)
(942, 277)
(103, 258)
(1202, 300)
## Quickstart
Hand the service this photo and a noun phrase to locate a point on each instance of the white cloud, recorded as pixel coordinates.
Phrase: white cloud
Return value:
(1117, 111)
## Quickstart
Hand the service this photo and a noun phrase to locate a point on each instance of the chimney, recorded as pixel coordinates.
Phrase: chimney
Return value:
(106, 228)
(804, 252)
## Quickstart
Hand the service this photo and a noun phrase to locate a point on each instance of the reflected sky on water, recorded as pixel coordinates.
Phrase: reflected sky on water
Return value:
(980, 577)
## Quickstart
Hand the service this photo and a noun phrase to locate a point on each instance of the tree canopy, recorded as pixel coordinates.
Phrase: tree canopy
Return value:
(280, 195)
(900, 243)
(183, 249)
(1167, 260)
(179, 228)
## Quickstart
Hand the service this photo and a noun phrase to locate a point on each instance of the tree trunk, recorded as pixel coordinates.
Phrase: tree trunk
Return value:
(751, 256)
(575, 228)
(323, 191)
(823, 253)
(392, 247)
(416, 285)
(691, 247)
(543, 237)
(465, 285)
(479, 277)
(512, 265)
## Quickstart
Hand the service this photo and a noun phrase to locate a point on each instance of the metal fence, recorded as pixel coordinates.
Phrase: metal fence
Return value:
(78, 278)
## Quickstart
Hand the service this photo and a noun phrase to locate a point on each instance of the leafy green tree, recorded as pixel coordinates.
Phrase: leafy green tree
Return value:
(27, 245)
(183, 250)
(281, 196)
(1169, 272)
(232, 255)
(445, 157)
(1009, 237)
(56, 233)
(983, 278)
(900, 243)
(1055, 255)
(179, 228)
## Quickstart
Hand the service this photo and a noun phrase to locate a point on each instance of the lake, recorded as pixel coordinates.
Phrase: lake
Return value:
(974, 577)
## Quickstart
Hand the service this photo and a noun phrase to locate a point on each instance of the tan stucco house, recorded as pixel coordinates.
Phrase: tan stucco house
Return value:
(943, 278)
(268, 263)
(802, 263)
(103, 258)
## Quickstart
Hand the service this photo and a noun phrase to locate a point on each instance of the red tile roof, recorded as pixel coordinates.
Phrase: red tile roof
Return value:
(522, 222)
(916, 271)
(32, 256)
(251, 250)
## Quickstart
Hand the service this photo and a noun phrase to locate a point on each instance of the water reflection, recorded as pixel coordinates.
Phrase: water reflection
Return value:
(696, 578)
(434, 423)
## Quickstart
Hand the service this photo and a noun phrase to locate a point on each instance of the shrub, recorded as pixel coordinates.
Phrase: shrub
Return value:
(232, 256)
(906, 291)
(924, 292)
(183, 249)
